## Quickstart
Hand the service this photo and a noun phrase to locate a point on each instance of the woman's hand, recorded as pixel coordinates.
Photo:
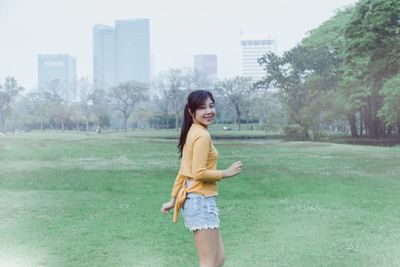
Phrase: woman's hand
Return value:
(233, 170)
(168, 205)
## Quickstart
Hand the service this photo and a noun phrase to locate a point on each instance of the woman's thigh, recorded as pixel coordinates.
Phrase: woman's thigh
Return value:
(207, 244)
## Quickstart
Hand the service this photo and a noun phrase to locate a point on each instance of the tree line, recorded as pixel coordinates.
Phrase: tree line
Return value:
(133, 104)
(345, 70)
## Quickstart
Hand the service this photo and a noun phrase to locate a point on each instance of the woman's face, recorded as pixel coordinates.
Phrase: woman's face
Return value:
(205, 114)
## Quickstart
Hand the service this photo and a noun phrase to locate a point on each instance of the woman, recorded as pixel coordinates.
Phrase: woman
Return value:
(195, 188)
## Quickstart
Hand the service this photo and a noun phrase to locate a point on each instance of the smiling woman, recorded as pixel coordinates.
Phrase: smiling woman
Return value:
(195, 189)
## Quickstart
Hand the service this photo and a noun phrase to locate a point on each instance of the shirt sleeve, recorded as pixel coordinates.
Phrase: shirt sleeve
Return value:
(201, 149)
(178, 184)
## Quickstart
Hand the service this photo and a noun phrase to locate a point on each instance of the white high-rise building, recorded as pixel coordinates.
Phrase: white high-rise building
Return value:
(253, 48)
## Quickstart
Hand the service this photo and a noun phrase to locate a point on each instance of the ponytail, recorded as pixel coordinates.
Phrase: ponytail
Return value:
(187, 122)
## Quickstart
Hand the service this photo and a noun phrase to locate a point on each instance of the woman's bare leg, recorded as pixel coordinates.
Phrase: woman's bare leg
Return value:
(207, 244)
(221, 251)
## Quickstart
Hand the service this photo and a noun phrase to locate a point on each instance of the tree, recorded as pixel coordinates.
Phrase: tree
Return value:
(372, 54)
(305, 77)
(390, 110)
(100, 108)
(175, 83)
(125, 96)
(85, 100)
(322, 108)
(288, 74)
(268, 108)
(237, 91)
(143, 116)
(62, 112)
(329, 39)
(34, 110)
(58, 108)
(162, 97)
(8, 94)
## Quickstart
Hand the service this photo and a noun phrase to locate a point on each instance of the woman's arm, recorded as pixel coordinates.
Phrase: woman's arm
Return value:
(168, 205)
(175, 189)
(177, 185)
(233, 170)
(201, 149)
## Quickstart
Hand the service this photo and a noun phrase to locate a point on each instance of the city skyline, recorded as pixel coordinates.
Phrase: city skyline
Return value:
(179, 30)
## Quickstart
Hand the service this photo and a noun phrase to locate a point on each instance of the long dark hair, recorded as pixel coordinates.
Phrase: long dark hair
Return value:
(195, 100)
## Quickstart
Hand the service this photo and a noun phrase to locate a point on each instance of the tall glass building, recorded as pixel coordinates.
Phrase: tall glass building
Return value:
(122, 53)
(57, 73)
(104, 63)
(133, 50)
(207, 66)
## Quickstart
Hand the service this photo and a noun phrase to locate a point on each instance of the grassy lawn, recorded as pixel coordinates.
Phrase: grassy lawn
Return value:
(75, 200)
(216, 131)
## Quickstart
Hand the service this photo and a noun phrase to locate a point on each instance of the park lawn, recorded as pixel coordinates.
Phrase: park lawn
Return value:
(69, 199)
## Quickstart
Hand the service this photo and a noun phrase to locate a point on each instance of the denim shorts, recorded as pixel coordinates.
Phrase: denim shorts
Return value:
(200, 212)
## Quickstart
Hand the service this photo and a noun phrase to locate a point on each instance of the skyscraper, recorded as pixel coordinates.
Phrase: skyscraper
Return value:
(133, 50)
(253, 48)
(121, 54)
(207, 66)
(104, 62)
(57, 72)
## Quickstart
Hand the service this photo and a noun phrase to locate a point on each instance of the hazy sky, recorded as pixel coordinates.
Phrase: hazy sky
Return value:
(179, 29)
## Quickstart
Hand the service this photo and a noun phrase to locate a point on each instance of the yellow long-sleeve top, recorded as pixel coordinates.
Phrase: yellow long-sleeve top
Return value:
(199, 161)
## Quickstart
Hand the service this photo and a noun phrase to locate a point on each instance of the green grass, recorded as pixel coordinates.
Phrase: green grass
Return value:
(76, 200)
(216, 130)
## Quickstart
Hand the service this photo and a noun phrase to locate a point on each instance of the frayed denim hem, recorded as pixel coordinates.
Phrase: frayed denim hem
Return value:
(205, 227)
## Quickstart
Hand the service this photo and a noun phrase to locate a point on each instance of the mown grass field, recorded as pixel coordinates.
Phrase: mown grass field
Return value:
(68, 199)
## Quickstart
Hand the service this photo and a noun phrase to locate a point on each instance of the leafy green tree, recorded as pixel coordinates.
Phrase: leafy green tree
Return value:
(390, 110)
(268, 109)
(329, 38)
(304, 79)
(341, 66)
(372, 53)
(284, 74)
